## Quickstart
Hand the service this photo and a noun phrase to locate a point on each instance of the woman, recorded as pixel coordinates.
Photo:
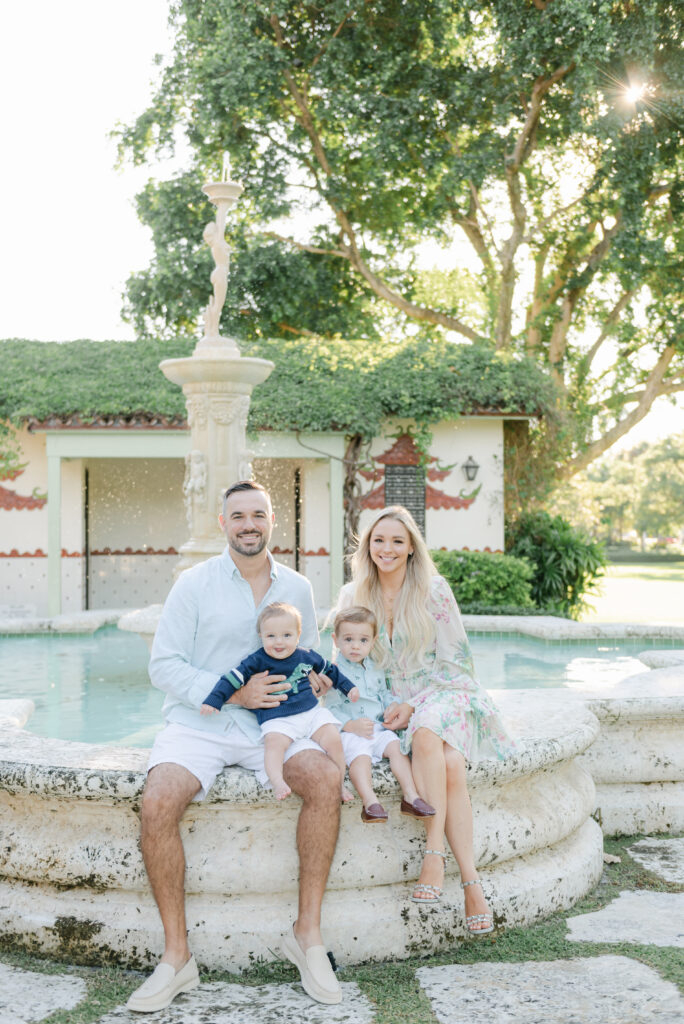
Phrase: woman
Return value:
(448, 717)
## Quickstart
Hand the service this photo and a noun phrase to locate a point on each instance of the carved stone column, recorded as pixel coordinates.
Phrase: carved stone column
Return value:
(217, 383)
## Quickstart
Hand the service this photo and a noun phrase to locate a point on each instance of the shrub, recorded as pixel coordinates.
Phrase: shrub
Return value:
(488, 580)
(567, 563)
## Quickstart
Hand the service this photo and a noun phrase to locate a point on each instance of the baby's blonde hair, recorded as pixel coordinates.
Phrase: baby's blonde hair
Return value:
(279, 608)
(355, 614)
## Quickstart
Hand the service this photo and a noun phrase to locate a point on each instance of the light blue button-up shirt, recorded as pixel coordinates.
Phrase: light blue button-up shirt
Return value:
(208, 626)
(374, 694)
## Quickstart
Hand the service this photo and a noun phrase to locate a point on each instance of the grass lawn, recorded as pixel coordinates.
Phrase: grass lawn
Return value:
(640, 592)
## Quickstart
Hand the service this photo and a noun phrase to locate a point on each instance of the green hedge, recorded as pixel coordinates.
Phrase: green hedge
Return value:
(508, 609)
(356, 384)
(488, 580)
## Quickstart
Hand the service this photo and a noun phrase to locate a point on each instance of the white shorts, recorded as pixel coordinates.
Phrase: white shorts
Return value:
(205, 753)
(374, 747)
(301, 726)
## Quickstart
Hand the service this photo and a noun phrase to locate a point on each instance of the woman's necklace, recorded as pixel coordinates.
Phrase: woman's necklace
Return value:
(388, 599)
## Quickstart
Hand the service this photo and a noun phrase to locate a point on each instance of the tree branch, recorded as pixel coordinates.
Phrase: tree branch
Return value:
(351, 251)
(333, 36)
(670, 387)
(651, 391)
(303, 246)
(523, 147)
(608, 323)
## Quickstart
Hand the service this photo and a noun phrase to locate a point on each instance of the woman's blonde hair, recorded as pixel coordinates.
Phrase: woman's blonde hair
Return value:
(412, 619)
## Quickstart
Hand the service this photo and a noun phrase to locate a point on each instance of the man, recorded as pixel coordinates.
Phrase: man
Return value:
(208, 625)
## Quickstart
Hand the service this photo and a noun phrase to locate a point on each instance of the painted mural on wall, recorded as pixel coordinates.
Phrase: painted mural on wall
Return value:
(405, 452)
(10, 499)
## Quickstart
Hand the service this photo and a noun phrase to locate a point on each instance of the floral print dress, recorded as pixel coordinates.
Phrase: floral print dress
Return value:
(446, 696)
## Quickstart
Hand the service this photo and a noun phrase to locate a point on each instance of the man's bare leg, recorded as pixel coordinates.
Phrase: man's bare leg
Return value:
(316, 779)
(168, 791)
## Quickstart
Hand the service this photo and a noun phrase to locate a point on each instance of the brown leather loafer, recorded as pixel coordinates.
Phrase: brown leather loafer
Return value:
(373, 813)
(418, 809)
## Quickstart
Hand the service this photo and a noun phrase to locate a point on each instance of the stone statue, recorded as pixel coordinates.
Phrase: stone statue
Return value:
(195, 483)
(214, 237)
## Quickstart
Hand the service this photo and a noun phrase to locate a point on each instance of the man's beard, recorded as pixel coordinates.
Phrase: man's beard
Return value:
(235, 545)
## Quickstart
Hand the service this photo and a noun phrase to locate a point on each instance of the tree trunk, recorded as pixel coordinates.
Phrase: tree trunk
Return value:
(352, 495)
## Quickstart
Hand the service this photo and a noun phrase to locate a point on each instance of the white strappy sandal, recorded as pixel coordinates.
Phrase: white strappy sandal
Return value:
(434, 892)
(475, 919)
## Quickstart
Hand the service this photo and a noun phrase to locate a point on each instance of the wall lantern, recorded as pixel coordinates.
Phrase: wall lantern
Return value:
(470, 468)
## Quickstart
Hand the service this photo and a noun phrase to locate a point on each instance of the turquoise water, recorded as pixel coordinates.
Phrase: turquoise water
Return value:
(91, 688)
(95, 688)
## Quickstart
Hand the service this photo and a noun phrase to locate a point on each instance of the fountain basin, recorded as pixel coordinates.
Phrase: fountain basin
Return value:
(72, 882)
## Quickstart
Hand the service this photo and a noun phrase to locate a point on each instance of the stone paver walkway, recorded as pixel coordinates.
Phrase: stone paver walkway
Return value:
(27, 997)
(221, 1003)
(602, 989)
(664, 857)
(592, 990)
(644, 918)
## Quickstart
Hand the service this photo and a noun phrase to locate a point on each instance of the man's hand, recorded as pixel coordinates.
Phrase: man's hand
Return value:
(260, 692)
(360, 727)
(397, 716)
(320, 683)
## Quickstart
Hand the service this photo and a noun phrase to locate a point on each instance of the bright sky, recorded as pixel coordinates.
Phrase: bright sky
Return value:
(69, 71)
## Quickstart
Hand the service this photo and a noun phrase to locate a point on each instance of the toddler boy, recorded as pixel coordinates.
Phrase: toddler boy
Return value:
(364, 740)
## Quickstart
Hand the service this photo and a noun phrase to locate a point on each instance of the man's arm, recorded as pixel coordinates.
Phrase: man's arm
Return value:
(171, 668)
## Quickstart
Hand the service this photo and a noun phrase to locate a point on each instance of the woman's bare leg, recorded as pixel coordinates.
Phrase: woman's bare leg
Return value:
(459, 831)
(275, 745)
(430, 774)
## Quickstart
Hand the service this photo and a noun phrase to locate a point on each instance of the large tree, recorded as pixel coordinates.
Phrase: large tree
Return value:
(545, 134)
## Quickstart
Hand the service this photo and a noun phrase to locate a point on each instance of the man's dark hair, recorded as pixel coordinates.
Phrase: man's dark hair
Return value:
(243, 485)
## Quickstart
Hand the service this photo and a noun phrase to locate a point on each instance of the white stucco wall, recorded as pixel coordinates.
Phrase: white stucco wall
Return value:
(24, 535)
(481, 525)
(137, 519)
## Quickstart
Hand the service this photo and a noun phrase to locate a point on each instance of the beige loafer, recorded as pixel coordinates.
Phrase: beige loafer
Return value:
(163, 985)
(318, 977)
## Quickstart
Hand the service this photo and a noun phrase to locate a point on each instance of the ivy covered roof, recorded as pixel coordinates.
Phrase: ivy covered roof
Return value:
(317, 384)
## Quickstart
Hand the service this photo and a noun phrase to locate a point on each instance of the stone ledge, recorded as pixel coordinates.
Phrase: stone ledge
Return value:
(76, 622)
(229, 932)
(552, 729)
(548, 627)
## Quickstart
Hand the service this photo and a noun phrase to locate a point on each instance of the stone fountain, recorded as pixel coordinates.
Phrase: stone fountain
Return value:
(217, 383)
(72, 881)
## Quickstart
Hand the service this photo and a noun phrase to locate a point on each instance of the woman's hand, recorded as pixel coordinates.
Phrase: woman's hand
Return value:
(360, 727)
(397, 716)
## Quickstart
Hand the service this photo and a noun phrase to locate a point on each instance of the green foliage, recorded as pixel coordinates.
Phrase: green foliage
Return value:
(480, 578)
(508, 609)
(660, 507)
(10, 454)
(634, 490)
(361, 131)
(567, 564)
(88, 378)
(316, 385)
